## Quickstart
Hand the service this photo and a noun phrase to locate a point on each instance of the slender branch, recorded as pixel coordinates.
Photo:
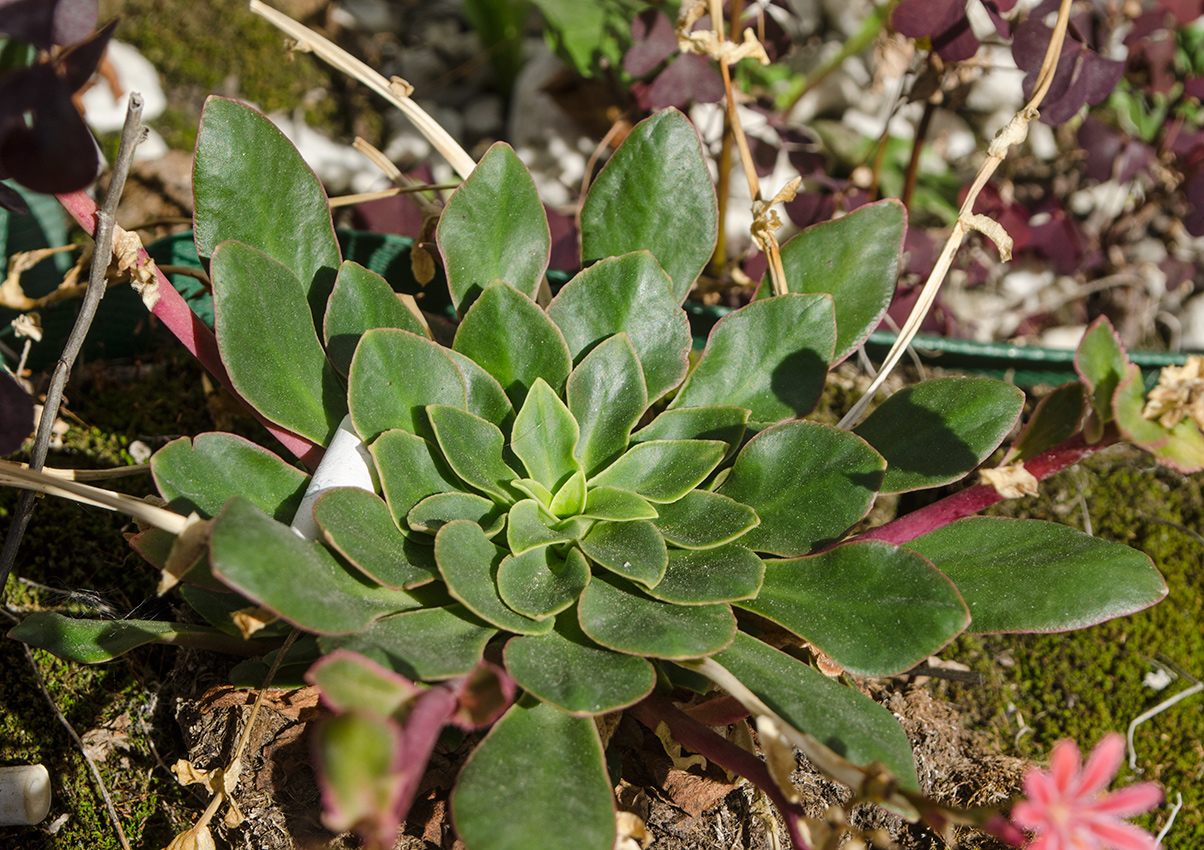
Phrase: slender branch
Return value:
(130, 136)
(974, 499)
(1014, 133)
(690, 733)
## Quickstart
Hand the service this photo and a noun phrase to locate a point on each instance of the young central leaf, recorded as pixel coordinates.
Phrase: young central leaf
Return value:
(544, 435)
(606, 395)
(526, 530)
(662, 470)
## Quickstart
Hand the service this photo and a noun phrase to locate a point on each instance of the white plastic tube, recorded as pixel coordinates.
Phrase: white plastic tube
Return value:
(24, 794)
(347, 463)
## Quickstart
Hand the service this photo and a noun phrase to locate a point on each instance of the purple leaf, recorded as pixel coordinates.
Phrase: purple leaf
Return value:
(1193, 190)
(16, 414)
(944, 22)
(653, 41)
(48, 22)
(482, 697)
(688, 79)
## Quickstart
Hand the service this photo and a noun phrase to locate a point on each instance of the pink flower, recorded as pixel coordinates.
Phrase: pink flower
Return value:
(1068, 809)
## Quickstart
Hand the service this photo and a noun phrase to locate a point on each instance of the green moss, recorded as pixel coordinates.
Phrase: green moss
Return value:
(1042, 688)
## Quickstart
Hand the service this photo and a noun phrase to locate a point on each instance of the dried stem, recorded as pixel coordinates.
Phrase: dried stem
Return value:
(1014, 133)
(395, 91)
(130, 136)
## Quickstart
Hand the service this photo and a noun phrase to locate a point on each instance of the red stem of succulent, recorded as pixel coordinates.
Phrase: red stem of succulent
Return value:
(691, 734)
(970, 501)
(175, 313)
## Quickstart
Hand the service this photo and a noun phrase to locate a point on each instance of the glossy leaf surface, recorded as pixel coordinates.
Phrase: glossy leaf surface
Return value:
(655, 193)
(808, 483)
(544, 436)
(634, 550)
(726, 424)
(876, 609)
(538, 584)
(662, 470)
(702, 576)
(299, 581)
(567, 669)
(469, 561)
(395, 374)
(613, 613)
(411, 469)
(251, 185)
(436, 511)
(934, 432)
(485, 395)
(839, 717)
(606, 396)
(263, 321)
(701, 519)
(361, 301)
(856, 260)
(615, 504)
(473, 448)
(630, 294)
(513, 340)
(360, 527)
(1033, 576)
(201, 474)
(428, 644)
(526, 529)
(1055, 419)
(528, 759)
(770, 357)
(494, 228)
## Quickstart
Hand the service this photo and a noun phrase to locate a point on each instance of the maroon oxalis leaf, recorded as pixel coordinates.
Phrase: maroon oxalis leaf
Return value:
(16, 414)
(1082, 77)
(944, 22)
(688, 79)
(44, 23)
(653, 41)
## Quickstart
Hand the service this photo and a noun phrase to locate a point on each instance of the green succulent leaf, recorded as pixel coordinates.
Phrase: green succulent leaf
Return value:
(251, 185)
(263, 321)
(1032, 576)
(1181, 447)
(513, 340)
(630, 294)
(934, 432)
(662, 470)
(876, 609)
(538, 584)
(469, 562)
(544, 435)
(655, 193)
(532, 488)
(411, 469)
(360, 527)
(218, 607)
(1055, 420)
(94, 641)
(841, 718)
(567, 669)
(569, 500)
(769, 356)
(486, 398)
(703, 576)
(525, 529)
(359, 757)
(615, 504)
(527, 760)
(726, 424)
(615, 614)
(361, 301)
(808, 483)
(634, 550)
(394, 376)
(701, 520)
(494, 228)
(350, 681)
(436, 511)
(201, 474)
(425, 645)
(856, 260)
(1101, 361)
(297, 580)
(606, 397)
(473, 447)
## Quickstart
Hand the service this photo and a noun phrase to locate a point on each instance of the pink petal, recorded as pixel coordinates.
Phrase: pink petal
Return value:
(1101, 765)
(1119, 835)
(1127, 802)
(1030, 816)
(1064, 765)
(1039, 787)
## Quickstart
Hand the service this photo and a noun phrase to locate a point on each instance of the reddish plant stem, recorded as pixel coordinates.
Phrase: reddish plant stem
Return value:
(432, 711)
(175, 313)
(690, 733)
(970, 501)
